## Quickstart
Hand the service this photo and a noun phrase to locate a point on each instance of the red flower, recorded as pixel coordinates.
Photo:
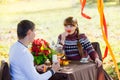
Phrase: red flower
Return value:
(41, 51)
(40, 46)
(46, 52)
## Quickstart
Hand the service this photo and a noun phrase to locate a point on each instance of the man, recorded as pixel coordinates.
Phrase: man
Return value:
(21, 60)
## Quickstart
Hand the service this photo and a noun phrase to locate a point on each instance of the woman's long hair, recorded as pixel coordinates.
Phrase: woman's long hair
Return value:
(80, 49)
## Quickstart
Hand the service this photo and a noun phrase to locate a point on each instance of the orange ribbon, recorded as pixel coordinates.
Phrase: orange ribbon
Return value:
(106, 34)
(103, 25)
(83, 2)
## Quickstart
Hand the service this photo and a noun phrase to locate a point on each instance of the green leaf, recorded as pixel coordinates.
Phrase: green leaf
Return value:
(38, 61)
(118, 65)
(53, 51)
(41, 59)
(46, 48)
(33, 53)
(50, 56)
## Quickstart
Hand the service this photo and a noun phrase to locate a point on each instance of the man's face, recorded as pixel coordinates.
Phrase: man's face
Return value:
(31, 35)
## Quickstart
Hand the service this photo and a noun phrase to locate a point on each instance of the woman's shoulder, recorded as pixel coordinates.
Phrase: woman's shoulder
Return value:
(82, 35)
(60, 35)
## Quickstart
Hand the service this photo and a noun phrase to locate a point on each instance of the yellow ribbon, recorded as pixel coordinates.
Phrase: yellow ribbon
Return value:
(100, 9)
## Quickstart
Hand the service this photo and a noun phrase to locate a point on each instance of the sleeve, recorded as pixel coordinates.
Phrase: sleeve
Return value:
(87, 46)
(29, 70)
(59, 46)
(59, 40)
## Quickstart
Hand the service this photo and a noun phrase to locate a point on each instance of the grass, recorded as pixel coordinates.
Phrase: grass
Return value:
(49, 23)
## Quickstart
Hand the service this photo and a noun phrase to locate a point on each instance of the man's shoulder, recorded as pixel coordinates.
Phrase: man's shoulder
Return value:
(16, 48)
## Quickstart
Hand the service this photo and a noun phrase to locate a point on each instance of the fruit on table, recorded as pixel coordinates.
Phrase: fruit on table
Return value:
(61, 62)
(65, 63)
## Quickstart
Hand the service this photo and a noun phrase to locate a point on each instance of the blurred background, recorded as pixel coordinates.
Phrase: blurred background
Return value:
(48, 15)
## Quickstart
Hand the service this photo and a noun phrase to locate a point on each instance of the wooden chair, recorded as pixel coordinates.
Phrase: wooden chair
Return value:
(4, 71)
(96, 46)
(97, 49)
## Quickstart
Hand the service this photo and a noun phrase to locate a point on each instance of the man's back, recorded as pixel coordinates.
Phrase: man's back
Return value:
(17, 56)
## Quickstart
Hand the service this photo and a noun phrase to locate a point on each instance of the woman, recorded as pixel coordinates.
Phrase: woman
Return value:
(77, 45)
(21, 60)
(74, 44)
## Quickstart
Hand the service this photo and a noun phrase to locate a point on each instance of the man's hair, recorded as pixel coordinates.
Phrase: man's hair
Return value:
(23, 27)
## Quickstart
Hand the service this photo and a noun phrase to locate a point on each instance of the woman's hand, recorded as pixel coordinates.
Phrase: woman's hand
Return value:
(59, 47)
(63, 36)
(98, 62)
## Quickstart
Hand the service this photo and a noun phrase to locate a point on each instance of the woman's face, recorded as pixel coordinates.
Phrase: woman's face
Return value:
(70, 29)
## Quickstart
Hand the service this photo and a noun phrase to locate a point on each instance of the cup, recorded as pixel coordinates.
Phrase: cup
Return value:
(54, 59)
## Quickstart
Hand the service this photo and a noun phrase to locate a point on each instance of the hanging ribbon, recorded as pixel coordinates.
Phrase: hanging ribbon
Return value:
(83, 2)
(104, 29)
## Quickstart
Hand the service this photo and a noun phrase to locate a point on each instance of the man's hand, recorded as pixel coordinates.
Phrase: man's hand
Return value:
(55, 66)
(41, 68)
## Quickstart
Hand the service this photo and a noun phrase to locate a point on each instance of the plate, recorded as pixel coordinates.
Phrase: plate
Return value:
(84, 61)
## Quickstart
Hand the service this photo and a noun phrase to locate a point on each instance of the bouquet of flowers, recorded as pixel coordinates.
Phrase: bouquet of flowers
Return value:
(41, 51)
